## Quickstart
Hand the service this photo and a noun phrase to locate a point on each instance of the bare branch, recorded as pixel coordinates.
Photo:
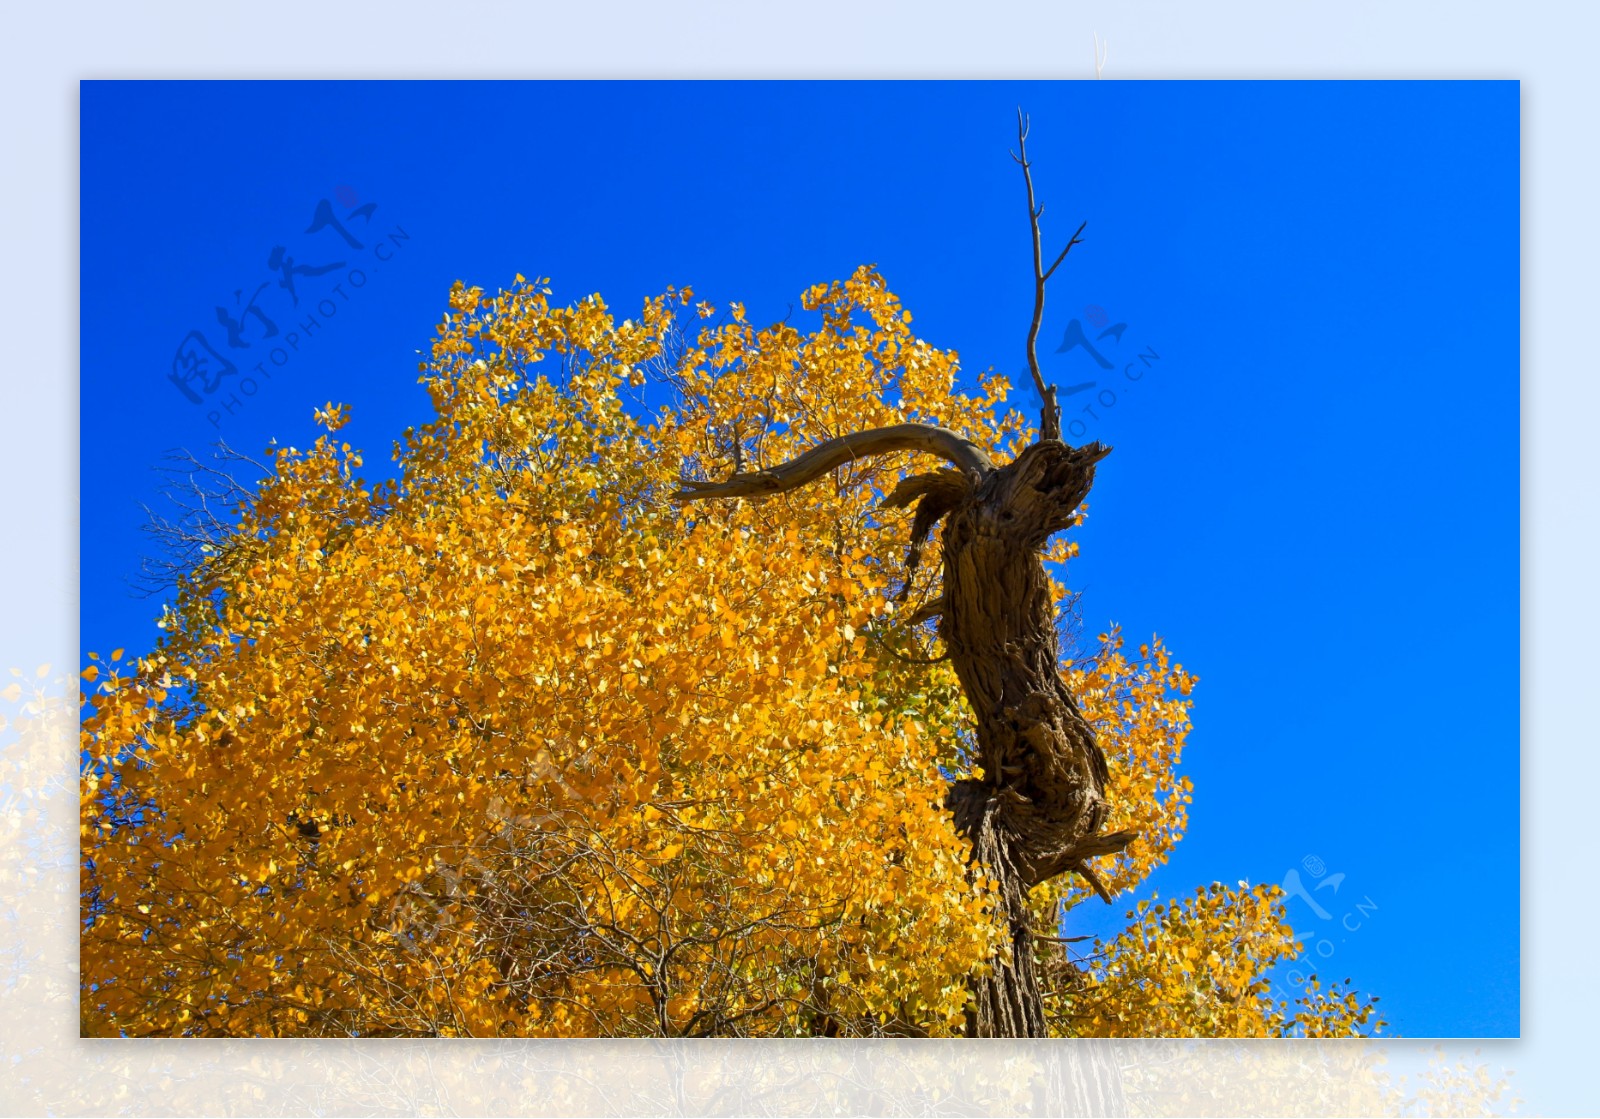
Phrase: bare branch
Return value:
(1089, 877)
(204, 501)
(935, 495)
(1108, 844)
(902, 658)
(926, 612)
(966, 455)
(1050, 414)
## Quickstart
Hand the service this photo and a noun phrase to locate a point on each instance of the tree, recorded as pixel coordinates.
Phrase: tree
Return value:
(514, 743)
(1039, 806)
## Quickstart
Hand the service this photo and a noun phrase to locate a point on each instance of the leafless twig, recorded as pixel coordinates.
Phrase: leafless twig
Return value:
(205, 498)
(1050, 414)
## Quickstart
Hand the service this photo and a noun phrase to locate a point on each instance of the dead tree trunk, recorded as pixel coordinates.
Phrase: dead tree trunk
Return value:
(1036, 811)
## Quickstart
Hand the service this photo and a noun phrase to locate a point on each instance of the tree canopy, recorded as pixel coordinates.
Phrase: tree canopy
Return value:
(514, 744)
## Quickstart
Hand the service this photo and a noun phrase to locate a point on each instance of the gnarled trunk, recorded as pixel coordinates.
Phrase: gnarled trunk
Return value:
(1037, 809)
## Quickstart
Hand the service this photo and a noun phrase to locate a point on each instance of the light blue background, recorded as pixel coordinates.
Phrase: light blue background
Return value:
(1548, 45)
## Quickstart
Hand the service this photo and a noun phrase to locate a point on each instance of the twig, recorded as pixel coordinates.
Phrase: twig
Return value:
(1089, 876)
(1050, 414)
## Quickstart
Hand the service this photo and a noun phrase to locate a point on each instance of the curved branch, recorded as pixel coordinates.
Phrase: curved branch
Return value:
(935, 495)
(966, 455)
(926, 612)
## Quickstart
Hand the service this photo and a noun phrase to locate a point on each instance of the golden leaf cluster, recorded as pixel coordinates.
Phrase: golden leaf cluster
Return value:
(512, 744)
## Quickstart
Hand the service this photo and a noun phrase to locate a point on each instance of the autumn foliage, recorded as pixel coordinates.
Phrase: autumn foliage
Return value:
(512, 744)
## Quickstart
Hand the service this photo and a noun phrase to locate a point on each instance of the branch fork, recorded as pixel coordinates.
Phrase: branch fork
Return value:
(1050, 413)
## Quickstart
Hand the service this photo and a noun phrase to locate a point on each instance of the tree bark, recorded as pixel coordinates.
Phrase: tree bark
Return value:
(1037, 808)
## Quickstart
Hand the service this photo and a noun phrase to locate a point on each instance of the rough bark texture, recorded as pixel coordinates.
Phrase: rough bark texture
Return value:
(1084, 1079)
(1037, 809)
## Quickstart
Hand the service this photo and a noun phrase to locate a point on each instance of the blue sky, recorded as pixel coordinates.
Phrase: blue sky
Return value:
(1314, 492)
